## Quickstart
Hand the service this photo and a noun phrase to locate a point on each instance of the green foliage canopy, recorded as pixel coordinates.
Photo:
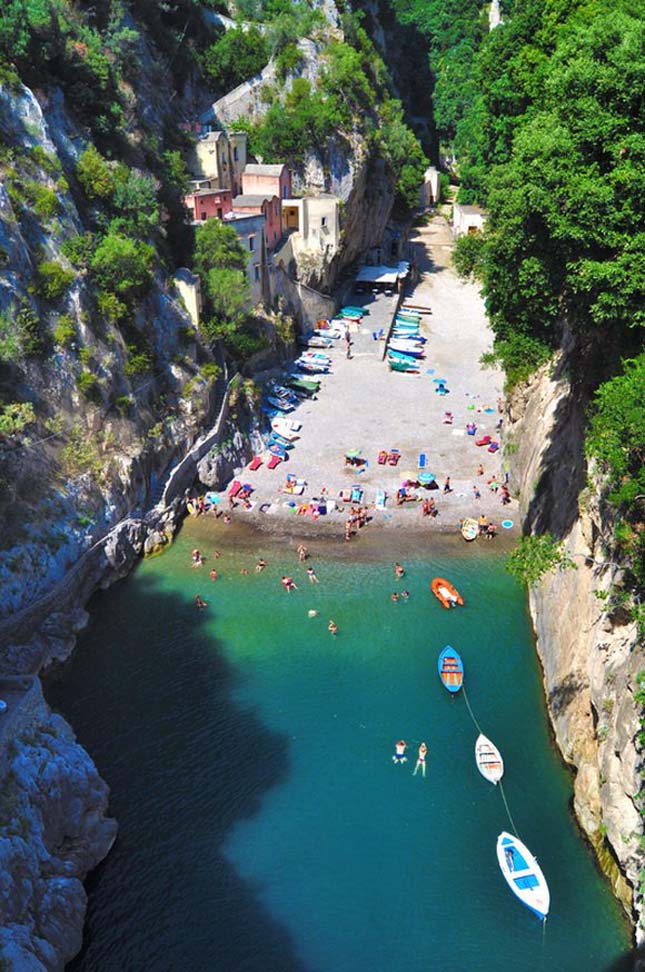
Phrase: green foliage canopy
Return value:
(122, 266)
(237, 56)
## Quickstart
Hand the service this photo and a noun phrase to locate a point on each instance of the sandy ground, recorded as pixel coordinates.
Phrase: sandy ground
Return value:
(362, 405)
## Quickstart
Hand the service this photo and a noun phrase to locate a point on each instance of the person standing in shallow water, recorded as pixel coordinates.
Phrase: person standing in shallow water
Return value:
(421, 760)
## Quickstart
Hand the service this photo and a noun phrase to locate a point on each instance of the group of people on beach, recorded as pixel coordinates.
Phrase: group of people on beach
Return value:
(357, 518)
(399, 756)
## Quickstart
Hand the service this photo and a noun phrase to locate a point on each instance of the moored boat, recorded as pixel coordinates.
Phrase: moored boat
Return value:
(469, 528)
(445, 592)
(523, 874)
(451, 669)
(489, 759)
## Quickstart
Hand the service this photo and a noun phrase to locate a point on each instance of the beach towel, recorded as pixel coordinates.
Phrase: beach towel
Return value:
(255, 463)
(423, 460)
(273, 462)
(235, 487)
(381, 497)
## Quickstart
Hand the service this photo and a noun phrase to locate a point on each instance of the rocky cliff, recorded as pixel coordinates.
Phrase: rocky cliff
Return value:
(589, 650)
(53, 830)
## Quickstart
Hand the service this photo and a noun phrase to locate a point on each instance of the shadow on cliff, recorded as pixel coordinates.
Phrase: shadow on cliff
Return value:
(151, 697)
(554, 504)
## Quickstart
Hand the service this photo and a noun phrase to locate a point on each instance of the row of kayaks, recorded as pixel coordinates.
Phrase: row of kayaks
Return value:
(519, 867)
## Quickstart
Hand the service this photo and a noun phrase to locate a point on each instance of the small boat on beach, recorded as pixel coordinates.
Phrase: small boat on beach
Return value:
(523, 874)
(469, 528)
(445, 592)
(451, 669)
(407, 347)
(412, 366)
(489, 760)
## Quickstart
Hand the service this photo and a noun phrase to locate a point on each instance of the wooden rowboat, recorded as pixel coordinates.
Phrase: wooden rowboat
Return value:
(469, 528)
(445, 592)
(489, 760)
(451, 669)
(523, 874)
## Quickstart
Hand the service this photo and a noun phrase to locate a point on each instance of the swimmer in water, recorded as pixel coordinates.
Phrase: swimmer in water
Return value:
(405, 595)
(394, 596)
(421, 760)
(196, 558)
(259, 567)
(399, 571)
(288, 584)
(332, 627)
(311, 574)
(199, 602)
(244, 571)
(399, 752)
(214, 575)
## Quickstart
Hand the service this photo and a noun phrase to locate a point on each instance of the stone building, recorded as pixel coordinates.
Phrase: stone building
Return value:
(467, 219)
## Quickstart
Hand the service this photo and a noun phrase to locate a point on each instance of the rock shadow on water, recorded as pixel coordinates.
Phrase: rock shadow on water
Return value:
(150, 694)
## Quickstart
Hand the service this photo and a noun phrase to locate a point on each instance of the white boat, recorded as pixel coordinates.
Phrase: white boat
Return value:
(489, 760)
(407, 347)
(282, 428)
(523, 874)
(283, 425)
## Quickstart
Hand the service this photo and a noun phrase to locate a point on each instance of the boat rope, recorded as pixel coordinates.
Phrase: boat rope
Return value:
(500, 785)
(501, 790)
(469, 707)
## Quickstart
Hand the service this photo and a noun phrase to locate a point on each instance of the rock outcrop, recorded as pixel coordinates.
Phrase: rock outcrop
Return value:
(53, 830)
(590, 654)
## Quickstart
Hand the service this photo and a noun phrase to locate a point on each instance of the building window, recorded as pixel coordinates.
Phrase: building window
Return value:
(219, 212)
(323, 221)
(251, 243)
(202, 216)
(235, 153)
(256, 271)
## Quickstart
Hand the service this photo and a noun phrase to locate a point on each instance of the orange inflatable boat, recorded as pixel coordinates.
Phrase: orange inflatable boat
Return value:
(446, 592)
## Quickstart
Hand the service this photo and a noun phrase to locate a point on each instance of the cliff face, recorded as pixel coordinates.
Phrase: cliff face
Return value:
(590, 658)
(53, 830)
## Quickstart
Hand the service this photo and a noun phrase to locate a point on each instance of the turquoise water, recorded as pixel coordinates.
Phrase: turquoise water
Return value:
(263, 824)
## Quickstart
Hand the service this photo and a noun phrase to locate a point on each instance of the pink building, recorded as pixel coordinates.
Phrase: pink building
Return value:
(266, 180)
(205, 203)
(267, 206)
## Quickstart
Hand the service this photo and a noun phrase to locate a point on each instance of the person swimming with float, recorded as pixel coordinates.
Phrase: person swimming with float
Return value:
(421, 760)
(399, 752)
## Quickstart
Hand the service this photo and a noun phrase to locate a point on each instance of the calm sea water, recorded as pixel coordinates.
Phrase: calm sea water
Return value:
(263, 824)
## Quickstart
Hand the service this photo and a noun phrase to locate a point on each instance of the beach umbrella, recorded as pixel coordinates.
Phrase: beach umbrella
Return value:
(440, 381)
(353, 453)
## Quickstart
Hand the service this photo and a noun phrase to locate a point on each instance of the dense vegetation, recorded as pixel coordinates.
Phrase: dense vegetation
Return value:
(351, 97)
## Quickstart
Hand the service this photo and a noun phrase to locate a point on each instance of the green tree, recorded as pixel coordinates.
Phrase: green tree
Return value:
(94, 174)
(217, 245)
(135, 202)
(122, 266)
(536, 556)
(467, 255)
(53, 280)
(237, 56)
(617, 431)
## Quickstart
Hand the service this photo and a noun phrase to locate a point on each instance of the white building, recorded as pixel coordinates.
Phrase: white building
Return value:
(467, 219)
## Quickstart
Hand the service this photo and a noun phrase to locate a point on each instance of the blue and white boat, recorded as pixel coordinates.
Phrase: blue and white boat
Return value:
(451, 669)
(523, 874)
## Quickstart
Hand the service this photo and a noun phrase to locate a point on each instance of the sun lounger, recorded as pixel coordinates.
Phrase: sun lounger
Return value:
(423, 460)
(345, 495)
(356, 495)
(255, 463)
(382, 457)
(381, 497)
(393, 457)
(274, 461)
(235, 488)
(484, 441)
